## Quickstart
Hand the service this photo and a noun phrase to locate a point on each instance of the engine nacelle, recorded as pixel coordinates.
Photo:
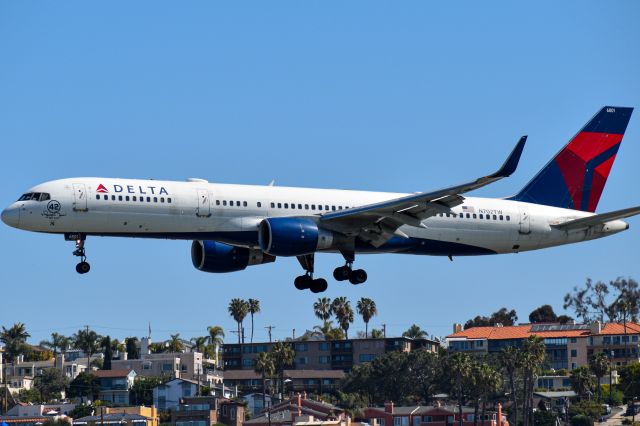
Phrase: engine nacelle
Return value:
(292, 236)
(212, 256)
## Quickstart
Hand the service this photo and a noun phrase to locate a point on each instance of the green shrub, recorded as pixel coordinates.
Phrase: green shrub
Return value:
(581, 420)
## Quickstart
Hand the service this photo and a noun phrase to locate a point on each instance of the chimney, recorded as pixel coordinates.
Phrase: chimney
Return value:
(388, 407)
(499, 419)
(124, 355)
(304, 395)
(457, 328)
(299, 397)
(595, 327)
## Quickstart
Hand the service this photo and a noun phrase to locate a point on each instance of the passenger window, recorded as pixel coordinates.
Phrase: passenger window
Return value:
(299, 206)
(217, 202)
(237, 203)
(475, 216)
(106, 197)
(168, 200)
(481, 216)
(339, 207)
(326, 207)
(306, 206)
(488, 217)
(468, 216)
(127, 198)
(501, 217)
(259, 204)
(148, 199)
(119, 197)
(313, 206)
(495, 217)
(134, 198)
(293, 205)
(162, 199)
(244, 203)
(279, 205)
(508, 218)
(286, 205)
(97, 196)
(142, 199)
(447, 214)
(113, 198)
(319, 206)
(155, 199)
(333, 208)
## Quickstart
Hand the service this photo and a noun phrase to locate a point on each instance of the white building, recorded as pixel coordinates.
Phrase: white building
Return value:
(168, 395)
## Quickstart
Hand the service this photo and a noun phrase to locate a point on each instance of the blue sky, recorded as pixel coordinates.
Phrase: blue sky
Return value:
(389, 96)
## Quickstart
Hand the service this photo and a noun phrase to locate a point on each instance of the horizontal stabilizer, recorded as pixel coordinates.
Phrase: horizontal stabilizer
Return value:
(598, 219)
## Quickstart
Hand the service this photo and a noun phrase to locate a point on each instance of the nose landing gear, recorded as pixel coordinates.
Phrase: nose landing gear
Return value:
(83, 267)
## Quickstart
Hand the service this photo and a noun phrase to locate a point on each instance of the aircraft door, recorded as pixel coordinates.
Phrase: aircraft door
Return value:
(204, 204)
(525, 223)
(79, 197)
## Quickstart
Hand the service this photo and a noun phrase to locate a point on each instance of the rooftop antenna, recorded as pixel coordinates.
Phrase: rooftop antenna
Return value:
(273, 182)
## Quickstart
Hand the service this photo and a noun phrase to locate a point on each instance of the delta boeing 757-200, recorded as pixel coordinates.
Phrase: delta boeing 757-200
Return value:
(235, 226)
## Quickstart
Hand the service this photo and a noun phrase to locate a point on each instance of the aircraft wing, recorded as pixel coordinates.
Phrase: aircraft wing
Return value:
(597, 219)
(378, 222)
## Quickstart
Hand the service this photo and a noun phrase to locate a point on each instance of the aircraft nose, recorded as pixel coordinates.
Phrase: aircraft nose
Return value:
(11, 216)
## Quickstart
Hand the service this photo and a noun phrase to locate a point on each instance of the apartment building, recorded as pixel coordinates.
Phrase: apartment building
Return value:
(325, 354)
(568, 346)
(115, 385)
(438, 415)
(310, 381)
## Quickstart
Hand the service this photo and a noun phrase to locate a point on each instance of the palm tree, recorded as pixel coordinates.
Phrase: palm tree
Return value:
(377, 334)
(283, 356)
(105, 344)
(58, 341)
(599, 365)
(329, 331)
(239, 309)
(459, 368)
(254, 308)
(367, 309)
(581, 380)
(510, 362)
(266, 367)
(216, 338)
(323, 309)
(199, 343)
(533, 357)
(415, 332)
(86, 340)
(14, 339)
(485, 382)
(175, 343)
(343, 312)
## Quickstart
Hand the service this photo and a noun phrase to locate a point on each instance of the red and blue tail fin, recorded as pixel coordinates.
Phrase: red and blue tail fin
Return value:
(576, 176)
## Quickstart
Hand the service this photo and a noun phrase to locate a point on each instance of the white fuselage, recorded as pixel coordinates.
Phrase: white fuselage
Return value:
(198, 210)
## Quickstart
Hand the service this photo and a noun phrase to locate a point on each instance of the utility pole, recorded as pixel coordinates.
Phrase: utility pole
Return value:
(269, 328)
(384, 330)
(294, 334)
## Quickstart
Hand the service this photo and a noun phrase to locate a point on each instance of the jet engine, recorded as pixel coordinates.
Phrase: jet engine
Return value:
(293, 236)
(212, 256)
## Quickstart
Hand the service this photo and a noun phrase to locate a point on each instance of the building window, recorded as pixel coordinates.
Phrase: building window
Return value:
(301, 347)
(324, 359)
(302, 360)
(324, 346)
(574, 353)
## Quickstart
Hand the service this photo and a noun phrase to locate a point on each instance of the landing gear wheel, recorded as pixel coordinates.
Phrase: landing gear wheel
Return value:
(303, 282)
(319, 285)
(342, 273)
(358, 276)
(83, 267)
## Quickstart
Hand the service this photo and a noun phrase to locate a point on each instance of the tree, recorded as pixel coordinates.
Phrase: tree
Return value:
(343, 312)
(14, 339)
(543, 313)
(108, 352)
(599, 365)
(510, 361)
(502, 316)
(253, 307)
(614, 301)
(50, 383)
(457, 379)
(532, 360)
(175, 343)
(142, 390)
(29, 396)
(426, 370)
(132, 348)
(630, 379)
(323, 309)
(266, 368)
(485, 382)
(283, 356)
(216, 335)
(57, 342)
(367, 309)
(199, 343)
(582, 380)
(377, 333)
(415, 332)
(86, 384)
(87, 341)
(329, 331)
(239, 309)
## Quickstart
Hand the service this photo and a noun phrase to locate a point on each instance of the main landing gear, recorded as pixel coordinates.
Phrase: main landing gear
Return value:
(342, 273)
(83, 267)
(306, 281)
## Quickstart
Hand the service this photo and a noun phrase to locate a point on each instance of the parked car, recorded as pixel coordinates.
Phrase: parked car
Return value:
(606, 409)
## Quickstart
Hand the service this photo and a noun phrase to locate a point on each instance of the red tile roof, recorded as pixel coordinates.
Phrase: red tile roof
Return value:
(524, 331)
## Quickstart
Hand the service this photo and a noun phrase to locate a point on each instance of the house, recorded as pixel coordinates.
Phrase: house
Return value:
(33, 421)
(120, 419)
(257, 402)
(207, 411)
(568, 346)
(29, 410)
(167, 396)
(299, 409)
(115, 385)
(325, 354)
(151, 413)
(438, 415)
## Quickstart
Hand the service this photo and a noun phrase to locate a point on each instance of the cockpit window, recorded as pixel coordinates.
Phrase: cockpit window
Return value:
(36, 196)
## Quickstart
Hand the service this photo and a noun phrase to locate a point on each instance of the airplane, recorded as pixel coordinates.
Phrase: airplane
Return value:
(236, 226)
